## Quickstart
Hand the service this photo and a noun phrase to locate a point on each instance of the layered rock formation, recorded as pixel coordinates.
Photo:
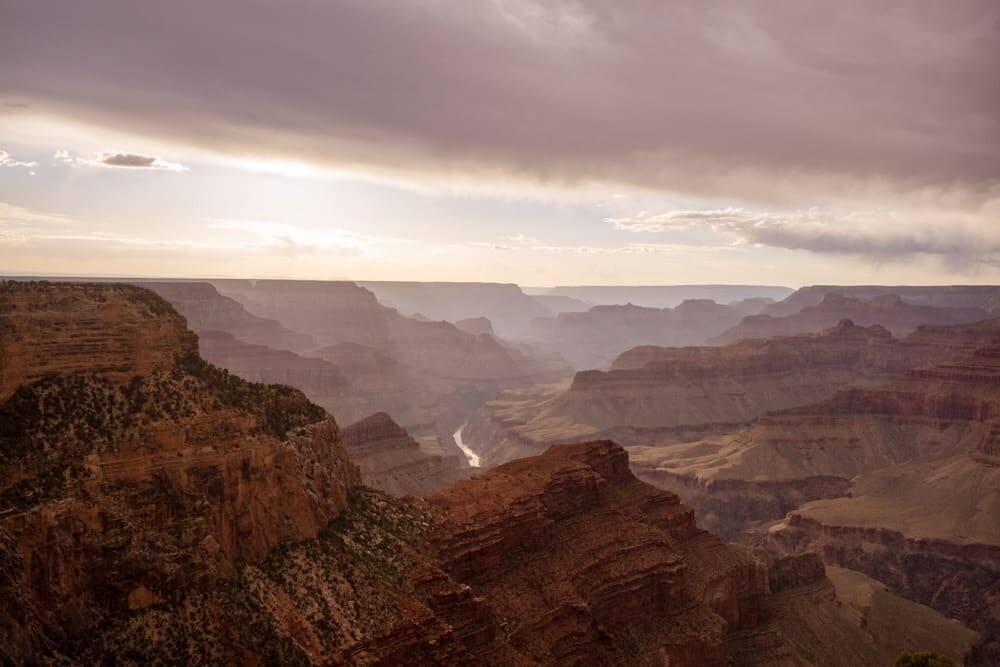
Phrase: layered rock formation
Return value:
(889, 311)
(207, 310)
(158, 509)
(658, 395)
(904, 478)
(592, 339)
(50, 330)
(505, 305)
(392, 461)
(132, 472)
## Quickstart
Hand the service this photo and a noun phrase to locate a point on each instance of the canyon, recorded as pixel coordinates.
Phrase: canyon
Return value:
(593, 338)
(354, 356)
(157, 508)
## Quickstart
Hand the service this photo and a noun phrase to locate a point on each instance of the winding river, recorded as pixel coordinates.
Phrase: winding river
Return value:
(469, 454)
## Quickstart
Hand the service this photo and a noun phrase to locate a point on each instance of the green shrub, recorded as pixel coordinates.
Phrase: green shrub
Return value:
(923, 659)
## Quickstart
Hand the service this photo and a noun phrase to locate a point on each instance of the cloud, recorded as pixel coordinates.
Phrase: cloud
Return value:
(6, 160)
(755, 101)
(117, 160)
(133, 161)
(881, 234)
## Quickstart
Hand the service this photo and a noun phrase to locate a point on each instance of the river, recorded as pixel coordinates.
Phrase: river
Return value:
(469, 454)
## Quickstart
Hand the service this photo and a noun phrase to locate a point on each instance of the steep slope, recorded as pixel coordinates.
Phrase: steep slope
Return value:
(207, 310)
(131, 471)
(505, 305)
(889, 311)
(428, 375)
(592, 339)
(392, 461)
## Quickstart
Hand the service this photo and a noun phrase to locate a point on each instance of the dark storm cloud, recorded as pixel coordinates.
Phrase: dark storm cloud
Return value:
(696, 97)
(128, 160)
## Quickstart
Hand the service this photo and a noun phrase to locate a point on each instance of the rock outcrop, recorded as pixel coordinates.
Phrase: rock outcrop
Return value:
(206, 310)
(49, 329)
(392, 461)
(505, 305)
(890, 311)
(132, 472)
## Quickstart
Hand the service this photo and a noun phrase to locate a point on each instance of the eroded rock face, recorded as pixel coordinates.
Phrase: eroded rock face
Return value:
(57, 329)
(207, 310)
(505, 305)
(889, 311)
(656, 394)
(392, 461)
(131, 472)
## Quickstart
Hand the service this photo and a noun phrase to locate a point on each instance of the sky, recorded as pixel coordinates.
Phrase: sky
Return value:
(543, 143)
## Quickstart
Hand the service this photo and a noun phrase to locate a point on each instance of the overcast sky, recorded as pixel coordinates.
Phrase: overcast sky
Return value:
(551, 142)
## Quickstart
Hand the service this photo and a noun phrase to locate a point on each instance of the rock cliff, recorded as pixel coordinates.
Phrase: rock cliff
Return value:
(660, 395)
(134, 473)
(505, 305)
(392, 461)
(207, 310)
